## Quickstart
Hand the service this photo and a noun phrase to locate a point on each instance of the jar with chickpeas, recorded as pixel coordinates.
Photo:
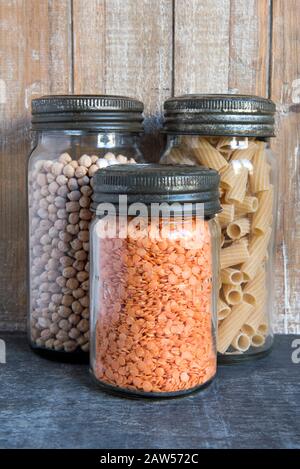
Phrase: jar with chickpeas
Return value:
(231, 134)
(75, 137)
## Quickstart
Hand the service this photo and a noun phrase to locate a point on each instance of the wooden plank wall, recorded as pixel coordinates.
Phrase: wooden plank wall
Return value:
(150, 49)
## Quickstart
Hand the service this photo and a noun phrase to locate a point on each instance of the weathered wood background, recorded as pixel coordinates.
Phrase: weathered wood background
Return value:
(150, 49)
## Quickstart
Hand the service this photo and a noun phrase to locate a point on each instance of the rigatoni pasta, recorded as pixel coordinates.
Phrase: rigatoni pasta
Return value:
(238, 228)
(223, 309)
(263, 215)
(231, 325)
(258, 340)
(255, 319)
(257, 250)
(254, 290)
(237, 192)
(245, 153)
(209, 156)
(232, 294)
(231, 276)
(263, 328)
(228, 177)
(227, 214)
(241, 342)
(248, 330)
(247, 200)
(234, 254)
(259, 176)
(249, 205)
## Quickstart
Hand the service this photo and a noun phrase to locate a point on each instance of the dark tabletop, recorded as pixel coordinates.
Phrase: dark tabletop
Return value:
(44, 404)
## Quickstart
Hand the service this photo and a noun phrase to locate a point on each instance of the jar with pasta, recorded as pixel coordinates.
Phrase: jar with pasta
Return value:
(154, 266)
(75, 137)
(231, 134)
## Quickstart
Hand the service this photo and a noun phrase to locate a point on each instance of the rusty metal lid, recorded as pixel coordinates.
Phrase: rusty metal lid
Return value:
(157, 183)
(220, 114)
(87, 112)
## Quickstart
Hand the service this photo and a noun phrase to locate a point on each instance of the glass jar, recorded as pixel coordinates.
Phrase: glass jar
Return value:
(76, 135)
(230, 133)
(154, 266)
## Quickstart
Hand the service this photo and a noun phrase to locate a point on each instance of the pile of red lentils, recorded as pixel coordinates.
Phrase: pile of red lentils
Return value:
(154, 317)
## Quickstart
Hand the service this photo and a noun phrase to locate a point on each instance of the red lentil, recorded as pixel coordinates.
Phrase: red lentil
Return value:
(154, 332)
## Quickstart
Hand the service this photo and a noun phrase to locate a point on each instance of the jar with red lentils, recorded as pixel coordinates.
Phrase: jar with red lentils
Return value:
(154, 279)
(75, 137)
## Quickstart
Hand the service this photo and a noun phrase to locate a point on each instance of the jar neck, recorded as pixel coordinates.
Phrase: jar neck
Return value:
(235, 142)
(93, 139)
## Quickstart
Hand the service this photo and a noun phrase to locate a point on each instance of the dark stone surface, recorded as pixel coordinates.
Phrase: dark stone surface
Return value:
(44, 404)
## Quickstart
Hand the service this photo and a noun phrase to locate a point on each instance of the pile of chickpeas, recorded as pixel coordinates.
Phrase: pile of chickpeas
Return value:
(59, 215)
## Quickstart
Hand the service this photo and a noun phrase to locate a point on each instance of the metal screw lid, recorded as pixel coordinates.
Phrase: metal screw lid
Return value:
(87, 112)
(220, 114)
(156, 183)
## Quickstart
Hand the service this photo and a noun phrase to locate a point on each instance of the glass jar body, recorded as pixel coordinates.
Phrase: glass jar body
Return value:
(248, 191)
(60, 170)
(153, 307)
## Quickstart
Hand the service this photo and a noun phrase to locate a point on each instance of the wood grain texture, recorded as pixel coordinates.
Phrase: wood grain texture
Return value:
(285, 90)
(125, 47)
(236, 411)
(221, 46)
(249, 42)
(150, 49)
(36, 60)
(201, 42)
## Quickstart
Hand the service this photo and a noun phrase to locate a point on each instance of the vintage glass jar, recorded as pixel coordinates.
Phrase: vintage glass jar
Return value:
(76, 135)
(154, 271)
(230, 133)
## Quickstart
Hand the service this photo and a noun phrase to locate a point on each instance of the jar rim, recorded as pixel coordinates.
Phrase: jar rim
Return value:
(157, 184)
(87, 112)
(220, 115)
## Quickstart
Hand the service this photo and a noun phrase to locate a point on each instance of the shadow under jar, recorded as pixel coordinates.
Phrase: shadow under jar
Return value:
(230, 133)
(76, 135)
(153, 279)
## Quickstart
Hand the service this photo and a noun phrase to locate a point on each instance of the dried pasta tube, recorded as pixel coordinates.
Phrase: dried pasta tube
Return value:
(222, 239)
(258, 340)
(227, 214)
(254, 291)
(249, 205)
(241, 342)
(231, 276)
(179, 156)
(228, 176)
(234, 254)
(223, 310)
(227, 242)
(232, 324)
(263, 328)
(238, 228)
(213, 140)
(224, 144)
(245, 154)
(232, 294)
(237, 192)
(257, 250)
(207, 155)
(262, 217)
(259, 176)
(248, 330)
(254, 319)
